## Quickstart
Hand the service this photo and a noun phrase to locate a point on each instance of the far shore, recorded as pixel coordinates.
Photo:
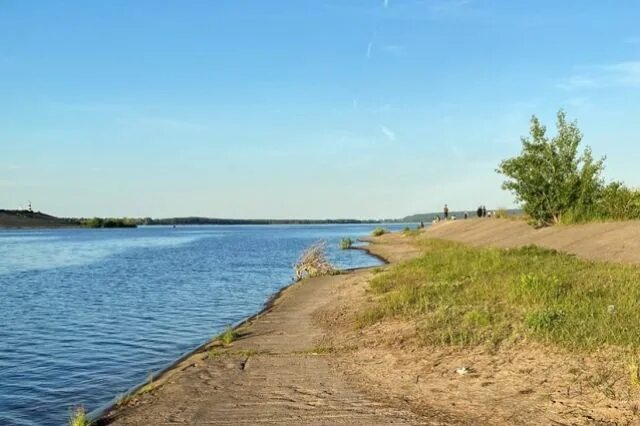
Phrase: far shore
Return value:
(26, 219)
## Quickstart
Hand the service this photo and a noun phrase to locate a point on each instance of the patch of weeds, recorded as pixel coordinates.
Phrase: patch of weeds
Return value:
(321, 350)
(378, 231)
(545, 288)
(247, 352)
(214, 353)
(228, 336)
(346, 243)
(467, 296)
(544, 321)
(408, 232)
(149, 386)
(368, 317)
(604, 379)
(79, 417)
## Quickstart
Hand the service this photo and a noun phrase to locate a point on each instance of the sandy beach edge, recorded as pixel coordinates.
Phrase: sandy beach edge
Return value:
(99, 415)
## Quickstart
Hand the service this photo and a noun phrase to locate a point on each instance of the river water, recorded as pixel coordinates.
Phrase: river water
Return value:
(85, 314)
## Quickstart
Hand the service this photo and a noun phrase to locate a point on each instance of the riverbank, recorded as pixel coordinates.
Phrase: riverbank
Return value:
(279, 369)
(310, 358)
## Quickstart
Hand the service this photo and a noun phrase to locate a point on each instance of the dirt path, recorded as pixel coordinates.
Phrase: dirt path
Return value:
(277, 372)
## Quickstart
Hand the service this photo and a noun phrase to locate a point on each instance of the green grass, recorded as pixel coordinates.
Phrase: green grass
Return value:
(228, 336)
(79, 417)
(410, 232)
(346, 243)
(378, 231)
(459, 295)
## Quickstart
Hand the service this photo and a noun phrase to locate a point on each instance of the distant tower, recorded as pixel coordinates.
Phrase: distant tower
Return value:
(29, 208)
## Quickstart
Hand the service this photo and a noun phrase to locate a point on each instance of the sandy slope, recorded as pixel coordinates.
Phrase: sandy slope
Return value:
(617, 241)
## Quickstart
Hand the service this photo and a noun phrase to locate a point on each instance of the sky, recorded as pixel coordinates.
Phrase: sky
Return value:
(301, 108)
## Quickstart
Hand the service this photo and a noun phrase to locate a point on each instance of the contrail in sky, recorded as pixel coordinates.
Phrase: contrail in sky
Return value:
(388, 133)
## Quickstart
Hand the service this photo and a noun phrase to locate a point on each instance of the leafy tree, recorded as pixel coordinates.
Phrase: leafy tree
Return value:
(549, 176)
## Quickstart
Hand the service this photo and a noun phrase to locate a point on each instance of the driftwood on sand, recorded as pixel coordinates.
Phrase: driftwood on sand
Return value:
(313, 262)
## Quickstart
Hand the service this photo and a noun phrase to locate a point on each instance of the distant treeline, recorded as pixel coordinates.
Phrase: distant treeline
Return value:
(98, 222)
(28, 219)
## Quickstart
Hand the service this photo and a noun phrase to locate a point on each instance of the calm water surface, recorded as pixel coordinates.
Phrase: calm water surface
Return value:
(87, 314)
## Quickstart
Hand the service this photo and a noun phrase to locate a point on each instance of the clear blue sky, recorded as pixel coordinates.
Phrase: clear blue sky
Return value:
(301, 108)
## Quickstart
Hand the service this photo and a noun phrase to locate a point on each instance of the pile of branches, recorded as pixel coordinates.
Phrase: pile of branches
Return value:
(313, 262)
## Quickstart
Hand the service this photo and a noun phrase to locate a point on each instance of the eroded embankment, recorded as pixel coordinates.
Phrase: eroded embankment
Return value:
(614, 241)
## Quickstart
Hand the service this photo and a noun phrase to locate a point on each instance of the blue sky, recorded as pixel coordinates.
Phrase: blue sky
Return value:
(305, 108)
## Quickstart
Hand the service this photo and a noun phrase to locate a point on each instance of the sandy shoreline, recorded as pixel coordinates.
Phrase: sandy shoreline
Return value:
(304, 360)
(101, 414)
(304, 347)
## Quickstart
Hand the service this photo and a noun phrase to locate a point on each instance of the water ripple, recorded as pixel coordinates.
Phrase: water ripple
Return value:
(87, 314)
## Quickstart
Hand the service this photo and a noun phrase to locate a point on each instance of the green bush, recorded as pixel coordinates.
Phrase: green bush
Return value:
(346, 243)
(556, 184)
(615, 202)
(378, 231)
(549, 176)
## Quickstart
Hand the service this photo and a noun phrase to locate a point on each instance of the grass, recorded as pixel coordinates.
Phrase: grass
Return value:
(214, 353)
(378, 231)
(408, 232)
(79, 417)
(228, 336)
(321, 350)
(346, 243)
(502, 213)
(459, 295)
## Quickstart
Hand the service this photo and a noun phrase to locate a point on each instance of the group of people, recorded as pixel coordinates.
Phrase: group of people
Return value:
(481, 212)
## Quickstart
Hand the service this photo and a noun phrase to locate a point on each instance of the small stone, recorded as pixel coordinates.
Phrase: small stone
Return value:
(463, 370)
